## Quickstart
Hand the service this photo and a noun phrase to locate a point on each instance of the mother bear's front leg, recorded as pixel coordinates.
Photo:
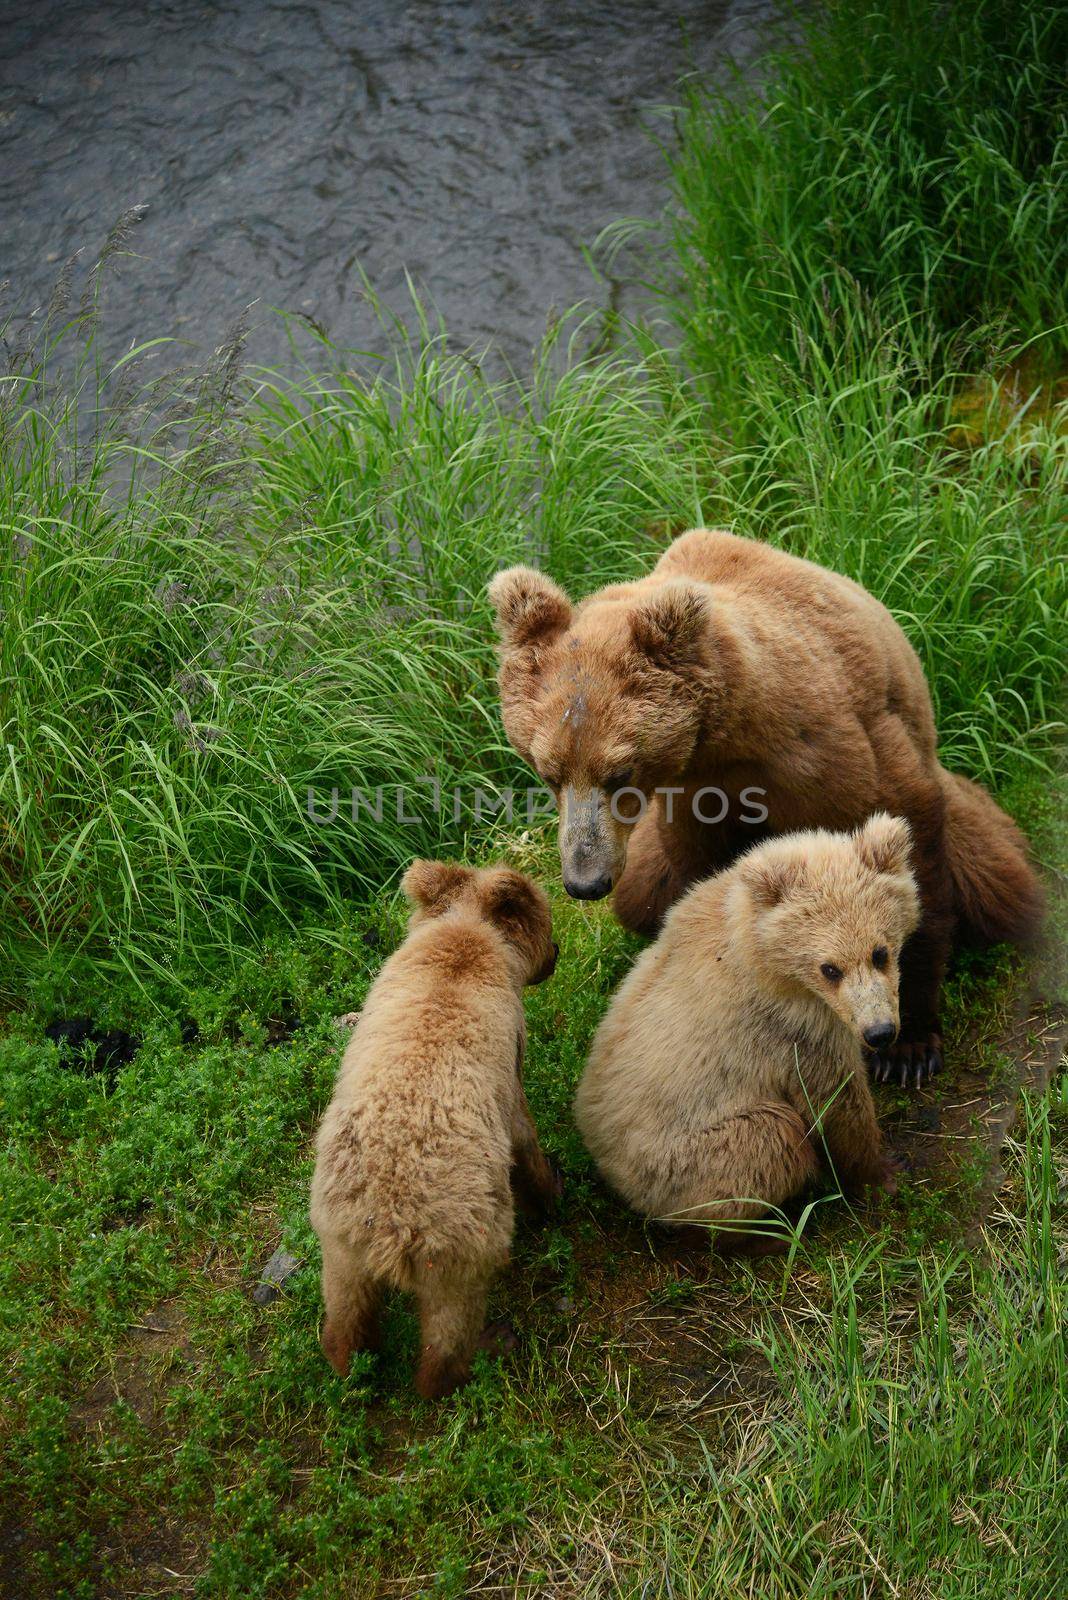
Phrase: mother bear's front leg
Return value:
(913, 788)
(664, 859)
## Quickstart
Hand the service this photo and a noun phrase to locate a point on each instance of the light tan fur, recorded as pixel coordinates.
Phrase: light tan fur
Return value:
(429, 1123)
(736, 665)
(728, 1067)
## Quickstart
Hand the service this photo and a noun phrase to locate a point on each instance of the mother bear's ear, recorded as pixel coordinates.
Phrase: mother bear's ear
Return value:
(669, 626)
(531, 608)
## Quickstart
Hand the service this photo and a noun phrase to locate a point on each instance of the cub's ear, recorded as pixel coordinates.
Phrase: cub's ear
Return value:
(513, 903)
(434, 885)
(668, 626)
(772, 878)
(530, 607)
(884, 843)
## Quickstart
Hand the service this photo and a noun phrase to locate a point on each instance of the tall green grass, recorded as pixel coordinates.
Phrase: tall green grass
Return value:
(967, 548)
(858, 249)
(904, 167)
(220, 589)
(209, 615)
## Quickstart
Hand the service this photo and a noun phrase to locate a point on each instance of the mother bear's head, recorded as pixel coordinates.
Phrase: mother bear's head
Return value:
(606, 700)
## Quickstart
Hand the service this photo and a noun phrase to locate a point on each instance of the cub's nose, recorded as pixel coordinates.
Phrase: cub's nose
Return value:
(588, 888)
(879, 1035)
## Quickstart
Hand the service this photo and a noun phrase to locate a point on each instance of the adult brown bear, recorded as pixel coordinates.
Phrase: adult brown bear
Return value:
(738, 691)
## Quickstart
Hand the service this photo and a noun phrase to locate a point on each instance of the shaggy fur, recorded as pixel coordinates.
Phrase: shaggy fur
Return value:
(730, 1061)
(428, 1122)
(738, 666)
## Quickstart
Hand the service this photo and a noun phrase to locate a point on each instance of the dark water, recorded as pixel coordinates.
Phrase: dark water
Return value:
(280, 147)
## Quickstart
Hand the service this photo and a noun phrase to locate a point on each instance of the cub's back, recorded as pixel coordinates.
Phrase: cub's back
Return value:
(421, 1111)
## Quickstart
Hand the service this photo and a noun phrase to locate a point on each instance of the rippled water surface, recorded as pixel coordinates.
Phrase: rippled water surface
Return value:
(280, 147)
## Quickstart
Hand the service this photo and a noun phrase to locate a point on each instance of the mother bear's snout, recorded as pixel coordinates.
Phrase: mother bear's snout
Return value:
(594, 888)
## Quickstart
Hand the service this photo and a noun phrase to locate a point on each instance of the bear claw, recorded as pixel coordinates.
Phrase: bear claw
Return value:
(910, 1063)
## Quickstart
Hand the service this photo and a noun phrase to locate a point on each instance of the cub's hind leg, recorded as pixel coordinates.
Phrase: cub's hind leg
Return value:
(452, 1309)
(856, 1150)
(736, 1170)
(535, 1185)
(351, 1296)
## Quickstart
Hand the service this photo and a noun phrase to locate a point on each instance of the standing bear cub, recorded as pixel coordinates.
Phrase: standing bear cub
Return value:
(732, 683)
(730, 1060)
(428, 1126)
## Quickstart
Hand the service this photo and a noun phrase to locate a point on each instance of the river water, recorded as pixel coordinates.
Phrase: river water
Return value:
(282, 147)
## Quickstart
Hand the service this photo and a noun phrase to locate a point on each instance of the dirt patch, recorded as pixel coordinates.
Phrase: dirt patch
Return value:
(17, 1550)
(133, 1374)
(154, 1556)
(950, 1132)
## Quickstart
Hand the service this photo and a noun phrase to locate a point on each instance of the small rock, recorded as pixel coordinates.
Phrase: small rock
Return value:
(280, 1268)
(346, 1022)
(283, 1026)
(85, 1048)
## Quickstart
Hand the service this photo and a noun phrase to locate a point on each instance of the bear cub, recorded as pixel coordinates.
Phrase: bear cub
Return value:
(428, 1128)
(729, 1067)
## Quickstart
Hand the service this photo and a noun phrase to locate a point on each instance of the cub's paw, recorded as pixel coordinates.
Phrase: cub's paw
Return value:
(498, 1339)
(909, 1062)
(440, 1373)
(749, 1243)
(538, 1189)
(886, 1177)
(877, 1175)
(337, 1347)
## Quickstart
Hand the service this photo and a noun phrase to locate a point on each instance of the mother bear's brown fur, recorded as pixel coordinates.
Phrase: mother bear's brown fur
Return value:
(737, 667)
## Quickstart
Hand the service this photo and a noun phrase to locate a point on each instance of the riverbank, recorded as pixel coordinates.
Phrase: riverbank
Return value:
(263, 583)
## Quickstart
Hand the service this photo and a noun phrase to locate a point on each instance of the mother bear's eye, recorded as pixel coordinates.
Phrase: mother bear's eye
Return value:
(879, 957)
(619, 780)
(832, 973)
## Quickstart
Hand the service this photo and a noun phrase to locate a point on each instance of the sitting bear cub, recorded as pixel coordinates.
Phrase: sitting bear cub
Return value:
(730, 1061)
(428, 1125)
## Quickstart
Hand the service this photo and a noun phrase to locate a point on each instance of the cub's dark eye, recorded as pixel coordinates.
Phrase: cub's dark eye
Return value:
(551, 780)
(880, 957)
(619, 780)
(832, 973)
